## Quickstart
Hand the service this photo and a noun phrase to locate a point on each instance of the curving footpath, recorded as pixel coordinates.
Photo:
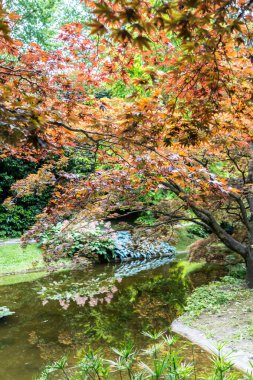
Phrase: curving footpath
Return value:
(240, 359)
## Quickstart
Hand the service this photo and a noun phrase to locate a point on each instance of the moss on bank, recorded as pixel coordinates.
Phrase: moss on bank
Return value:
(19, 278)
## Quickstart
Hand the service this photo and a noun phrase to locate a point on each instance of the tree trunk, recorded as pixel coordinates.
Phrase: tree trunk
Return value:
(249, 258)
(249, 269)
(249, 197)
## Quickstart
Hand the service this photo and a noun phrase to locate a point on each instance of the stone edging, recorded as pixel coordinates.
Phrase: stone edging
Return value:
(240, 359)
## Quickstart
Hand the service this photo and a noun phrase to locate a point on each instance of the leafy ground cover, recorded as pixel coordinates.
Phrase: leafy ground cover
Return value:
(212, 297)
(222, 310)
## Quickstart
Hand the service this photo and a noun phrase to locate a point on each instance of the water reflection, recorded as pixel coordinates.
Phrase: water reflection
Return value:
(134, 267)
(98, 288)
(63, 312)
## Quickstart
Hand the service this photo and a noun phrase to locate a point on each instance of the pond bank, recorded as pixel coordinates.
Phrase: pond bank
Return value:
(217, 313)
(240, 359)
(16, 260)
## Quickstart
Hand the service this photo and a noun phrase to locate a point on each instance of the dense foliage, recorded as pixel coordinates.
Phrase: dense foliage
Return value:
(16, 218)
(99, 242)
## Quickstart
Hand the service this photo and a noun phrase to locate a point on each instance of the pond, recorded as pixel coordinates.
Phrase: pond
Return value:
(96, 307)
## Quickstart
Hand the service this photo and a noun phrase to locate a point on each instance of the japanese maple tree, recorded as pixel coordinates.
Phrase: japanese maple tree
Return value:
(182, 124)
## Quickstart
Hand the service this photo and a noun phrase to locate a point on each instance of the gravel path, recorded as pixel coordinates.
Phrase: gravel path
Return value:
(10, 241)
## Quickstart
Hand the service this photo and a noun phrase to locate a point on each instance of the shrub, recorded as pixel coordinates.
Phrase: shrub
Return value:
(92, 241)
(126, 247)
(195, 230)
(98, 241)
(238, 271)
(15, 220)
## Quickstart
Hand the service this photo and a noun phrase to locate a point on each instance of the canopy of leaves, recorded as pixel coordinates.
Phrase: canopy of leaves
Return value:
(160, 93)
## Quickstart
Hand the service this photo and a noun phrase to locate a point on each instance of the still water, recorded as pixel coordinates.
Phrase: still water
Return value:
(98, 307)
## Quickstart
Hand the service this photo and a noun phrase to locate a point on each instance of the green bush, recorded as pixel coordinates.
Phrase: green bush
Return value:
(93, 242)
(15, 220)
(11, 170)
(195, 230)
(238, 271)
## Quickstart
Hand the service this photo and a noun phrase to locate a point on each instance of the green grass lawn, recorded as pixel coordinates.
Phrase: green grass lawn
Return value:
(13, 258)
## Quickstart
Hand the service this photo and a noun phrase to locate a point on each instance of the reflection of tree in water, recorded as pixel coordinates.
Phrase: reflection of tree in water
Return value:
(93, 291)
(162, 298)
(147, 300)
(97, 289)
(151, 302)
(134, 267)
(150, 299)
(208, 273)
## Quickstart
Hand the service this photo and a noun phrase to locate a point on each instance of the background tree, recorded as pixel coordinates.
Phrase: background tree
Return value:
(40, 21)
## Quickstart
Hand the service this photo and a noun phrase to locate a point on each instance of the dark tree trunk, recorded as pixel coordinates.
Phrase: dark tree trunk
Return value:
(249, 269)
(249, 258)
